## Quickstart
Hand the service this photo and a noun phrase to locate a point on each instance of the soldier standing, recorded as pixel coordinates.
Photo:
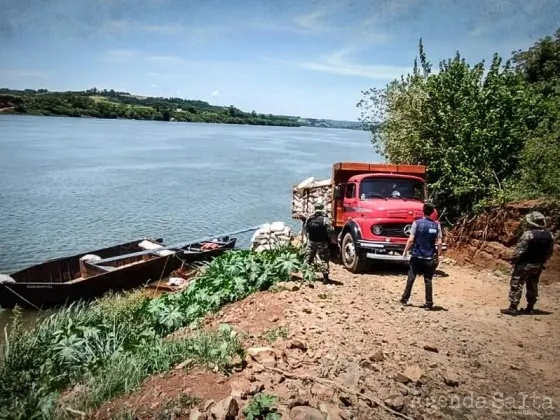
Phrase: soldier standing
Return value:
(318, 228)
(533, 250)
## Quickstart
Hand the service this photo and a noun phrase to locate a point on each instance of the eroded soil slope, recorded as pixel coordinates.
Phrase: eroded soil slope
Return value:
(353, 351)
(489, 239)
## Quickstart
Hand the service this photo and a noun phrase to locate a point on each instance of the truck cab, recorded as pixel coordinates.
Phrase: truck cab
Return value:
(373, 208)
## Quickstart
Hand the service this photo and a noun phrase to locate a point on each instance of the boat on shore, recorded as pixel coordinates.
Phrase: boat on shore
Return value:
(91, 274)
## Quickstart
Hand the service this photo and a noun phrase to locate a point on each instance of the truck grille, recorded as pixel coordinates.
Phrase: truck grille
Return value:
(394, 230)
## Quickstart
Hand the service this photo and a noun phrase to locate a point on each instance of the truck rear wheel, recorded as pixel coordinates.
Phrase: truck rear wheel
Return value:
(350, 255)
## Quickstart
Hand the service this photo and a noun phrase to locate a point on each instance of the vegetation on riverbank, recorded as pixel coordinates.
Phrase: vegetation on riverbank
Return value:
(488, 135)
(92, 352)
(110, 104)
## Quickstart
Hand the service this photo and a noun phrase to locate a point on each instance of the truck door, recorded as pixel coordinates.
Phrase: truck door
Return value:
(339, 214)
(350, 201)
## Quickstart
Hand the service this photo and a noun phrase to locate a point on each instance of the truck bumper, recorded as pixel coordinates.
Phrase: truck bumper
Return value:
(385, 251)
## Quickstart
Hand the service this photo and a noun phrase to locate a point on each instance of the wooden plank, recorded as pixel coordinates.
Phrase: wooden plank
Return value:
(412, 169)
(354, 166)
(383, 167)
(124, 257)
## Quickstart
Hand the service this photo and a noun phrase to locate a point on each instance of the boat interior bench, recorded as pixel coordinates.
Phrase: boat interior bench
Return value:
(154, 252)
(106, 268)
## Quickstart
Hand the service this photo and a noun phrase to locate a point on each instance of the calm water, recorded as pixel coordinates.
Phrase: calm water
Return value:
(70, 185)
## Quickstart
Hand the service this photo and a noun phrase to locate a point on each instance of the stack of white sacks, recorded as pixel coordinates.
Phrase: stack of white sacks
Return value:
(310, 192)
(271, 235)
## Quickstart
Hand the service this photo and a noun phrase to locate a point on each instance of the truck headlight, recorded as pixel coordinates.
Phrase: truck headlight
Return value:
(376, 230)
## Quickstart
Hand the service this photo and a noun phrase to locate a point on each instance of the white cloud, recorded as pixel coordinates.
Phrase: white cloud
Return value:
(477, 31)
(121, 54)
(153, 85)
(338, 63)
(166, 59)
(215, 93)
(123, 25)
(311, 21)
(190, 33)
(327, 20)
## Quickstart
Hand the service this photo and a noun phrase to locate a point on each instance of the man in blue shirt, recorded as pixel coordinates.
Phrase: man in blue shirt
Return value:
(424, 236)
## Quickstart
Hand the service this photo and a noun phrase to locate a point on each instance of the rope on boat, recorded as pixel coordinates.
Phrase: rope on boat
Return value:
(162, 271)
(21, 297)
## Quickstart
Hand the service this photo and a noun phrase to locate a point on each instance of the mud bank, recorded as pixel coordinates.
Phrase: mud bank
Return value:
(488, 240)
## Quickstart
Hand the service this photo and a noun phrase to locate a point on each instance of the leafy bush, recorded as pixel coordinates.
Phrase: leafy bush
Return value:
(262, 407)
(226, 279)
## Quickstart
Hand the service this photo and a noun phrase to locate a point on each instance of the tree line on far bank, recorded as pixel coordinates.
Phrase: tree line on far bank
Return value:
(488, 135)
(111, 104)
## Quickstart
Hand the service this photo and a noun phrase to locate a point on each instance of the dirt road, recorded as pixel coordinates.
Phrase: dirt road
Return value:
(462, 361)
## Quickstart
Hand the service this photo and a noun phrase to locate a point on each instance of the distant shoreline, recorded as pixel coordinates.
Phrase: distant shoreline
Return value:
(23, 114)
(103, 104)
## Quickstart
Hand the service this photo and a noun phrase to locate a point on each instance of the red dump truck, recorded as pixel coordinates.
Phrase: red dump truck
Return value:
(372, 207)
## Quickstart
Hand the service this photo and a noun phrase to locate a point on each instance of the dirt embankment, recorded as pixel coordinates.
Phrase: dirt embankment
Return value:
(488, 240)
(353, 352)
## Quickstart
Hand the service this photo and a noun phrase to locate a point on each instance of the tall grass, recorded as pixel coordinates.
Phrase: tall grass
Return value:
(109, 346)
(126, 372)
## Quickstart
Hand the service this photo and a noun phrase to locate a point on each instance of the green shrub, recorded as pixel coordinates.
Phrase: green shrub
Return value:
(227, 279)
(262, 407)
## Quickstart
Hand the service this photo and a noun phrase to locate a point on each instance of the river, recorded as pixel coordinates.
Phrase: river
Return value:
(73, 184)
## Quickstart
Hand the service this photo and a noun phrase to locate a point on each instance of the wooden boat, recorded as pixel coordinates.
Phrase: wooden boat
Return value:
(90, 275)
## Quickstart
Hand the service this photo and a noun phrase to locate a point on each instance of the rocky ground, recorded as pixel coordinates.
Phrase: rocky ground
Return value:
(352, 351)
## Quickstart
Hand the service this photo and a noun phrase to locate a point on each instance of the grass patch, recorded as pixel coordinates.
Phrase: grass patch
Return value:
(98, 98)
(273, 334)
(111, 345)
(126, 373)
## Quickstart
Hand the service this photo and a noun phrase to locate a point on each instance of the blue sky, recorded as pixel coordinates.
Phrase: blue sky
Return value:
(310, 58)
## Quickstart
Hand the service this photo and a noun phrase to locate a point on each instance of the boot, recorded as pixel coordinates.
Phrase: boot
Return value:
(512, 310)
(428, 306)
(530, 309)
(326, 279)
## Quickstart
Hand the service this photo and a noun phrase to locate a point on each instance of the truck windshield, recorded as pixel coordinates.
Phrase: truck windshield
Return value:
(391, 188)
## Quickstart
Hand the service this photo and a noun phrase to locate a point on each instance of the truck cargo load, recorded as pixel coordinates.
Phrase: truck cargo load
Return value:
(308, 193)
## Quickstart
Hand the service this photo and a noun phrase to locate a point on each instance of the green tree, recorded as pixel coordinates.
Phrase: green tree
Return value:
(539, 66)
(467, 127)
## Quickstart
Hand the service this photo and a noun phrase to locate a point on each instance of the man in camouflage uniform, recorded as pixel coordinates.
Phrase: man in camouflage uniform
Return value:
(318, 228)
(533, 250)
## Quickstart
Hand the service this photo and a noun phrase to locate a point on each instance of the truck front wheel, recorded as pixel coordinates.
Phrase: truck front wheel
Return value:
(350, 255)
